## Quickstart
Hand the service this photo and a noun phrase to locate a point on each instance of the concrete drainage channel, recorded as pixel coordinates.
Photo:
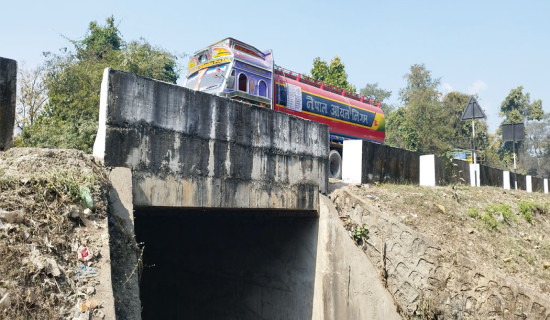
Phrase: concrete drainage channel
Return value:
(226, 264)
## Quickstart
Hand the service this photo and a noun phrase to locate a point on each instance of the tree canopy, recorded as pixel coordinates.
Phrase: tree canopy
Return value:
(517, 107)
(73, 79)
(426, 123)
(373, 91)
(333, 73)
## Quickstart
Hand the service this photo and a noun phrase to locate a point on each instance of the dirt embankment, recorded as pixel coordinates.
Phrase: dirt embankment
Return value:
(53, 206)
(455, 252)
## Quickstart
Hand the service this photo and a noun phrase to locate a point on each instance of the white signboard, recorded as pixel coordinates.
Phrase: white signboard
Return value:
(294, 97)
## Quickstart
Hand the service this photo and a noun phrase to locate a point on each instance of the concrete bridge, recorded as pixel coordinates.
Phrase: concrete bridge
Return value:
(228, 199)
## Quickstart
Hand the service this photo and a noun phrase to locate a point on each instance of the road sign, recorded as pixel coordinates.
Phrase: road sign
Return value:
(473, 111)
(513, 132)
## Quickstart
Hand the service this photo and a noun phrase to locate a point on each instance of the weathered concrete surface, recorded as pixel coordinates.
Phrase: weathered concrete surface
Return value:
(347, 285)
(8, 90)
(226, 264)
(422, 276)
(191, 149)
(124, 253)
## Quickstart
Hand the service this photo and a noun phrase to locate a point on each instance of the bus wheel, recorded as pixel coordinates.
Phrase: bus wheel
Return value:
(335, 164)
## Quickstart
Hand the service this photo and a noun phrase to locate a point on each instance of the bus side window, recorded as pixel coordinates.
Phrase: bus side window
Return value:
(281, 95)
(231, 81)
(243, 82)
(262, 89)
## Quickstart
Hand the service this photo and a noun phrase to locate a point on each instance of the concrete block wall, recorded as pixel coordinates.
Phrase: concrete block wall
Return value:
(192, 149)
(8, 91)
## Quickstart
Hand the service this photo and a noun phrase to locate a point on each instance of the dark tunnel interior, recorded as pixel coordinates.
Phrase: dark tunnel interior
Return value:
(226, 264)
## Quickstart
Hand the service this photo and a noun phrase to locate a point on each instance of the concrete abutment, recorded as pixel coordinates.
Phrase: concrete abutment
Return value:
(227, 200)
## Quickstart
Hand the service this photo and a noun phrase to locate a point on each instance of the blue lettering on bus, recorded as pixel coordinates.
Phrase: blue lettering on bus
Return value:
(329, 108)
(337, 110)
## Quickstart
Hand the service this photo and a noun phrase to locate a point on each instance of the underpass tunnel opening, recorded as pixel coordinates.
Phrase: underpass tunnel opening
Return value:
(226, 263)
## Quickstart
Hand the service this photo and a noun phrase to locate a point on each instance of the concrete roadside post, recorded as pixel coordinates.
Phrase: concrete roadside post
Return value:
(427, 170)
(528, 184)
(545, 185)
(506, 180)
(8, 89)
(352, 163)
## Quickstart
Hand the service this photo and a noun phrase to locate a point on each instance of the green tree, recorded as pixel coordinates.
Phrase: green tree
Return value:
(372, 91)
(100, 41)
(73, 80)
(453, 106)
(536, 158)
(401, 131)
(333, 73)
(517, 108)
(31, 97)
(421, 86)
(422, 123)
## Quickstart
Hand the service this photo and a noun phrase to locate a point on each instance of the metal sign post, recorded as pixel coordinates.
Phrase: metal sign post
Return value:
(513, 132)
(471, 112)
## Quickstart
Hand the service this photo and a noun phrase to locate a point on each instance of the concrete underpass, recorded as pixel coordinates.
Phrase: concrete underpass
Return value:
(286, 256)
(226, 264)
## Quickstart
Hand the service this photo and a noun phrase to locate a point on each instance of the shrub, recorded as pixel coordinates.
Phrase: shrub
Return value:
(504, 209)
(473, 212)
(490, 220)
(528, 208)
(360, 233)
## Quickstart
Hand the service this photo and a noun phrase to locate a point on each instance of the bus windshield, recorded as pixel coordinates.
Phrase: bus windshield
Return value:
(208, 79)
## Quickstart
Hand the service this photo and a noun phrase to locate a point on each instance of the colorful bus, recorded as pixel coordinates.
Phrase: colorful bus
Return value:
(233, 69)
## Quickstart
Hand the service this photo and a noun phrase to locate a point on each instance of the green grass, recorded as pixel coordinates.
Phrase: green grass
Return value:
(473, 212)
(504, 209)
(490, 220)
(529, 208)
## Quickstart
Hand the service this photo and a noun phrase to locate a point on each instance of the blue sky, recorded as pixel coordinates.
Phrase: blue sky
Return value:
(483, 47)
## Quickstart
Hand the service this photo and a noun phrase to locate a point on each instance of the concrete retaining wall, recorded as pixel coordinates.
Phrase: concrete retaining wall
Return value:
(8, 89)
(192, 149)
(421, 275)
(347, 284)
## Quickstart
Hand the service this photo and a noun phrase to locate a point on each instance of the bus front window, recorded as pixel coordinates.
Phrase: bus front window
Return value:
(213, 78)
(192, 81)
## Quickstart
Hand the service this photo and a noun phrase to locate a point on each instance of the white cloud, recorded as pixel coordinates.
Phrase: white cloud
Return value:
(477, 87)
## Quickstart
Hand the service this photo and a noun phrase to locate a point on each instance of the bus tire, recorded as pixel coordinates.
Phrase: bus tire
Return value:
(335, 164)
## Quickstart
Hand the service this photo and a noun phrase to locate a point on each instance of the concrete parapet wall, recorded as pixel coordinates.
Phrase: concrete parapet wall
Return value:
(8, 90)
(381, 163)
(192, 149)
(490, 176)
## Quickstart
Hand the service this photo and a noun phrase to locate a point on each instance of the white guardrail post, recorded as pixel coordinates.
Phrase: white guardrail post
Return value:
(506, 180)
(427, 170)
